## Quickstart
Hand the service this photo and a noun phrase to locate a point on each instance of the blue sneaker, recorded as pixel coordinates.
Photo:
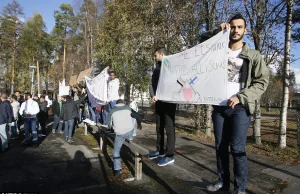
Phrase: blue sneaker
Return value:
(166, 160)
(154, 155)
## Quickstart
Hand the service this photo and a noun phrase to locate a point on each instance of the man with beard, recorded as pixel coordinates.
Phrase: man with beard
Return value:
(165, 117)
(248, 78)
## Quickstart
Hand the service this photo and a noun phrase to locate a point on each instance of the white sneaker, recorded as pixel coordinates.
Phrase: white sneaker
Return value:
(92, 123)
(134, 135)
(106, 126)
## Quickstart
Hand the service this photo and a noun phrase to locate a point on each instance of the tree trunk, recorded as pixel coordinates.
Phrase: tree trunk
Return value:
(208, 120)
(257, 123)
(127, 93)
(13, 66)
(38, 76)
(47, 79)
(285, 96)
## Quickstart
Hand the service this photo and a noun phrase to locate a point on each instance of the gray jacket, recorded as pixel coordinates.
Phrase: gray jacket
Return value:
(120, 119)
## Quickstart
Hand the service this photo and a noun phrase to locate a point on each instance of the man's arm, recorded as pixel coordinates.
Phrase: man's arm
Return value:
(137, 117)
(9, 113)
(80, 100)
(21, 110)
(36, 108)
(259, 83)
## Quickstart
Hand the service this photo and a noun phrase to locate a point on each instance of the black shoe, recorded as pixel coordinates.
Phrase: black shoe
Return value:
(217, 186)
(26, 143)
(3, 150)
(35, 144)
(117, 173)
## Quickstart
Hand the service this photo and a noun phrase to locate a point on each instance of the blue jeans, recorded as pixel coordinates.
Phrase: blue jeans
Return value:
(134, 128)
(92, 114)
(4, 135)
(30, 123)
(231, 129)
(79, 115)
(69, 124)
(13, 129)
(57, 124)
(119, 140)
(105, 114)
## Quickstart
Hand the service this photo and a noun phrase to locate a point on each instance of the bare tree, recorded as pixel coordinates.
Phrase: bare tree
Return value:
(287, 60)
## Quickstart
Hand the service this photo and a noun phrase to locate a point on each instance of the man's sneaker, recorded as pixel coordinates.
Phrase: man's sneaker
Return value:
(70, 141)
(60, 132)
(106, 126)
(134, 135)
(67, 139)
(215, 186)
(92, 123)
(43, 135)
(117, 173)
(238, 192)
(165, 161)
(154, 155)
(53, 130)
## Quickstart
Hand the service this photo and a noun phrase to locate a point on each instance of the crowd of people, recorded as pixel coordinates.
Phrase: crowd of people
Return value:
(67, 112)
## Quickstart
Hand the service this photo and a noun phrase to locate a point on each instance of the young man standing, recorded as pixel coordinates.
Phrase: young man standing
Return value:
(68, 114)
(119, 119)
(56, 110)
(6, 117)
(29, 109)
(248, 78)
(165, 117)
(16, 107)
(43, 115)
(20, 99)
(112, 95)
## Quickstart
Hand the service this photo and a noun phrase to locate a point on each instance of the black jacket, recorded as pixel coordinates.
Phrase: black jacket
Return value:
(6, 112)
(69, 109)
(55, 108)
(154, 80)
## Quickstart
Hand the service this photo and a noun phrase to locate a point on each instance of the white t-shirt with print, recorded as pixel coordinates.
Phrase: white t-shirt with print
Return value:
(234, 74)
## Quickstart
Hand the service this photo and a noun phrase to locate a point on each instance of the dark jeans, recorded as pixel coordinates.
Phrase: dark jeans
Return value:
(30, 123)
(165, 118)
(105, 114)
(57, 125)
(42, 121)
(69, 124)
(231, 128)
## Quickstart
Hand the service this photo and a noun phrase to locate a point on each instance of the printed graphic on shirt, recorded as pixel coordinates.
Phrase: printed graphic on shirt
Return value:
(234, 69)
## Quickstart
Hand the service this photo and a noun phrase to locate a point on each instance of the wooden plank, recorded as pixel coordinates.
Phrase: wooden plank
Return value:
(138, 166)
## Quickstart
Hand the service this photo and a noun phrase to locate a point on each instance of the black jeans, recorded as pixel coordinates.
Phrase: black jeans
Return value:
(231, 128)
(165, 118)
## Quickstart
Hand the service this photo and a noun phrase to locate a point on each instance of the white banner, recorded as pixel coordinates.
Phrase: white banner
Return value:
(64, 91)
(197, 75)
(98, 87)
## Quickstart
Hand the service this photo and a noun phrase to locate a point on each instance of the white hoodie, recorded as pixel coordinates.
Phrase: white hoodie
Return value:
(113, 90)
